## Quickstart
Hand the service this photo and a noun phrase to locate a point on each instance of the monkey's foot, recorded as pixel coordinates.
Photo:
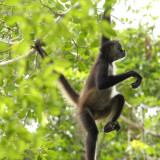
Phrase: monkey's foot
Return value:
(111, 126)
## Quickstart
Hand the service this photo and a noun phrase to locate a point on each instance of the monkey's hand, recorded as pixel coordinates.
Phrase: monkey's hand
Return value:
(138, 81)
(39, 49)
(111, 126)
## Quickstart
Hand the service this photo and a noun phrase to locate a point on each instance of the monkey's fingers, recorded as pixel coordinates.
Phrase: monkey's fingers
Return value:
(111, 126)
(108, 128)
(39, 49)
(117, 128)
(136, 84)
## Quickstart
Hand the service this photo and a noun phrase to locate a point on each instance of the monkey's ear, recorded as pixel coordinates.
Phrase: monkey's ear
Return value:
(104, 48)
(104, 51)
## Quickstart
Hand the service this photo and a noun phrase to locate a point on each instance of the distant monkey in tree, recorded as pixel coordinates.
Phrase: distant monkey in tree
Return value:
(98, 98)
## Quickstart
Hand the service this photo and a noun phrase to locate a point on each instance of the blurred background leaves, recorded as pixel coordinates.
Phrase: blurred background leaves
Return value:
(35, 121)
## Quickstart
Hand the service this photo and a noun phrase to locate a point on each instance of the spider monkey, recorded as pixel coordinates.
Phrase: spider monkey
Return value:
(98, 99)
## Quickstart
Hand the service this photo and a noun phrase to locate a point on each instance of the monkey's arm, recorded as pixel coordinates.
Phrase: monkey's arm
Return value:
(103, 80)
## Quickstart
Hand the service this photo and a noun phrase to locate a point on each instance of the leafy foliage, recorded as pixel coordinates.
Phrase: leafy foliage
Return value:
(35, 121)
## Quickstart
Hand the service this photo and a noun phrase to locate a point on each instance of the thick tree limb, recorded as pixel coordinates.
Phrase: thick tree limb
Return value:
(152, 133)
(130, 123)
(32, 51)
(137, 127)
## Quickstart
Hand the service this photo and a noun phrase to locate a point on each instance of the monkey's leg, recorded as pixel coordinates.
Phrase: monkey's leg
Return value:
(117, 104)
(92, 132)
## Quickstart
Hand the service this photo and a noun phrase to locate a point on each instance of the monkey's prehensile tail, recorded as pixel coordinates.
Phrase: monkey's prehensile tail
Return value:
(67, 90)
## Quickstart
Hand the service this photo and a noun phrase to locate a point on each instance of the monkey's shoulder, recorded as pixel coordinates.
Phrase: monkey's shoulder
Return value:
(105, 67)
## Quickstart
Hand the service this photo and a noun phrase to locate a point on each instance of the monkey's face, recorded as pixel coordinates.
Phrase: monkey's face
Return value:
(116, 52)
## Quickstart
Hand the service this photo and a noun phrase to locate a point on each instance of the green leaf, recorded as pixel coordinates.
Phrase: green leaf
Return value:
(59, 6)
(64, 1)
(60, 65)
(83, 34)
(81, 41)
(11, 3)
(22, 113)
(95, 43)
(49, 144)
(81, 65)
(107, 29)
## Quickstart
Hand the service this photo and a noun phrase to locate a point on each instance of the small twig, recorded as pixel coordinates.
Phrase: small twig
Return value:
(25, 120)
(76, 46)
(117, 19)
(59, 14)
(32, 51)
(11, 82)
(9, 42)
(132, 111)
(14, 39)
(55, 13)
(4, 58)
(5, 50)
(34, 67)
(5, 41)
(84, 47)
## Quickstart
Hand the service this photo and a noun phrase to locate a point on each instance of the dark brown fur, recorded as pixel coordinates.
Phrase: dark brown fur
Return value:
(97, 99)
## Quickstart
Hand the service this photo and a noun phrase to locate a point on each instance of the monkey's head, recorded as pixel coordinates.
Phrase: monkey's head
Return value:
(112, 51)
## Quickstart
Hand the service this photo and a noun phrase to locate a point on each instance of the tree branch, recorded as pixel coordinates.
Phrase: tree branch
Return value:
(137, 127)
(152, 133)
(76, 5)
(76, 47)
(5, 50)
(118, 19)
(130, 123)
(133, 112)
(34, 67)
(32, 51)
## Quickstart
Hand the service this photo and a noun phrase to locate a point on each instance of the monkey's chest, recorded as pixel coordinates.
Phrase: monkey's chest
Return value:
(100, 99)
(104, 96)
(111, 69)
(97, 99)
